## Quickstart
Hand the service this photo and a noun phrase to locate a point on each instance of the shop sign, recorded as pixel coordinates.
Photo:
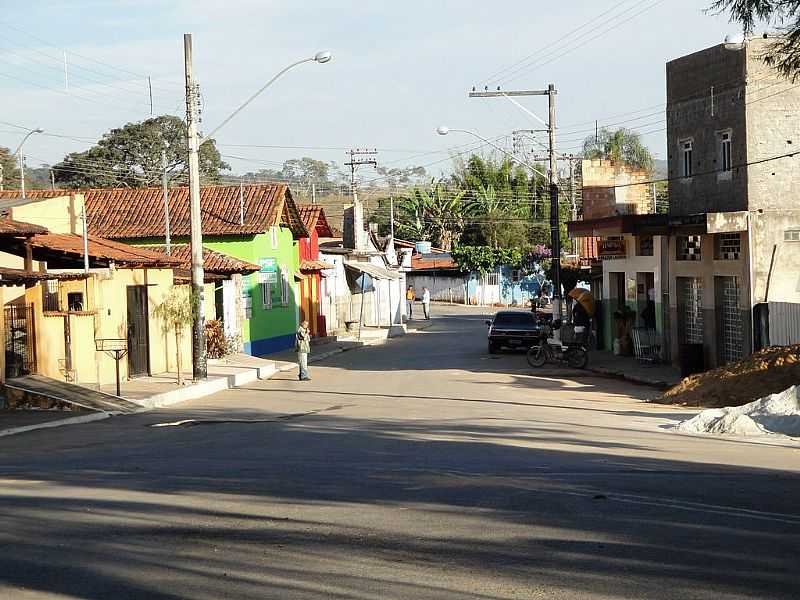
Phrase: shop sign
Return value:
(612, 249)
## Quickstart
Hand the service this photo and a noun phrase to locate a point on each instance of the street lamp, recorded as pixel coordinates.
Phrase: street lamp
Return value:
(22, 158)
(442, 130)
(199, 365)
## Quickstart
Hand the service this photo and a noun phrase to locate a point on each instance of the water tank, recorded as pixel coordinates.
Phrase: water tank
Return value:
(423, 247)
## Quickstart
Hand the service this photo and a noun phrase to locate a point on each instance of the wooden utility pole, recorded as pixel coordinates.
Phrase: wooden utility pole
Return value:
(555, 236)
(359, 158)
(165, 193)
(199, 366)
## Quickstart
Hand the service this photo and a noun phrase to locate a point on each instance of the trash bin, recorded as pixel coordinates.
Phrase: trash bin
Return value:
(691, 359)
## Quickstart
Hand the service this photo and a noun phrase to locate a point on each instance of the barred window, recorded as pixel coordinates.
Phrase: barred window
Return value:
(728, 246)
(725, 150)
(644, 245)
(688, 247)
(266, 295)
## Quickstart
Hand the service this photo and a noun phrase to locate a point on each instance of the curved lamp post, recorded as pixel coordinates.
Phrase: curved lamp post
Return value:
(22, 158)
(199, 365)
(442, 130)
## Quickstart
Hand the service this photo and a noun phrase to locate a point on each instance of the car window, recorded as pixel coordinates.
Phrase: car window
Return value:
(510, 320)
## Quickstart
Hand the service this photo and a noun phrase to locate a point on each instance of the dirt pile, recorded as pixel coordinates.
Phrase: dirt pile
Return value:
(768, 371)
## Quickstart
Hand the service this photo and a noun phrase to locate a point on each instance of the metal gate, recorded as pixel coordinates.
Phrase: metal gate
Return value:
(730, 319)
(20, 347)
(690, 309)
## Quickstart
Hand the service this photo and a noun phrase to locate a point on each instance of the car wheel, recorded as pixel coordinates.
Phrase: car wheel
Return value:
(492, 348)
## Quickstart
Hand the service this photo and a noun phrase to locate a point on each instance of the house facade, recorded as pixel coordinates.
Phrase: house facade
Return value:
(734, 249)
(257, 224)
(313, 269)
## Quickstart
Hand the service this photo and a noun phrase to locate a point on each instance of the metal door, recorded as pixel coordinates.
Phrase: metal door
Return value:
(730, 319)
(20, 347)
(138, 334)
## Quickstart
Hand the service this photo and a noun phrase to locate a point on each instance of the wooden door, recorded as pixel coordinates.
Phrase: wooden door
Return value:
(138, 333)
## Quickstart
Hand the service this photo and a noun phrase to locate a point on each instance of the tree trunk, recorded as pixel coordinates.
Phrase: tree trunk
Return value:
(178, 353)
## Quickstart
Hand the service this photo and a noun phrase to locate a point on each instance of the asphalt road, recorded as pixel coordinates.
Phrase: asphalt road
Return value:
(420, 469)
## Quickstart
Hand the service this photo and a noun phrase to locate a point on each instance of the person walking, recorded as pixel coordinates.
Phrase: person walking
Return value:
(303, 347)
(426, 303)
(410, 301)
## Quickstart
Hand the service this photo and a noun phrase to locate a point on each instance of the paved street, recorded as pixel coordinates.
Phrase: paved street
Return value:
(423, 468)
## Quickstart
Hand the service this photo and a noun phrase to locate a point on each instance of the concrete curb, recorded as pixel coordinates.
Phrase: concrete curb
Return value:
(206, 388)
(98, 416)
(656, 383)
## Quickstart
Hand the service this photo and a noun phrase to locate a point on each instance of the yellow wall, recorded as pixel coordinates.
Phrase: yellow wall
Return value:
(59, 215)
(105, 316)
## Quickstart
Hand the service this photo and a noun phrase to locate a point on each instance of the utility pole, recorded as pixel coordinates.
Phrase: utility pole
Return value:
(313, 193)
(573, 202)
(1, 177)
(165, 193)
(359, 158)
(391, 216)
(555, 237)
(52, 180)
(241, 201)
(199, 367)
(85, 240)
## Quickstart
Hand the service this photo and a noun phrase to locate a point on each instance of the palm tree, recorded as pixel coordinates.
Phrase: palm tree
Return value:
(622, 146)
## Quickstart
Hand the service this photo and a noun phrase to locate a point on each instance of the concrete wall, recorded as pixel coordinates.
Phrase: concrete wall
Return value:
(693, 112)
(60, 215)
(444, 286)
(776, 261)
(630, 267)
(707, 269)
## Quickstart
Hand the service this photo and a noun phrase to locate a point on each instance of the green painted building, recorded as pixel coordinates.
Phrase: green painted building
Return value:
(259, 224)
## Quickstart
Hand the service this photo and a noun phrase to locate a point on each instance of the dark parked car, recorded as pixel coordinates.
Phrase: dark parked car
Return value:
(513, 329)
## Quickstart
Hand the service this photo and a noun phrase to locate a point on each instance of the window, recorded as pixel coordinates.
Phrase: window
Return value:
(686, 149)
(728, 246)
(50, 299)
(791, 235)
(644, 245)
(725, 150)
(688, 247)
(284, 287)
(273, 232)
(266, 295)
(75, 302)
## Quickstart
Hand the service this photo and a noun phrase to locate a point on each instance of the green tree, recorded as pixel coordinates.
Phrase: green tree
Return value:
(433, 213)
(130, 156)
(783, 52)
(10, 169)
(176, 312)
(622, 145)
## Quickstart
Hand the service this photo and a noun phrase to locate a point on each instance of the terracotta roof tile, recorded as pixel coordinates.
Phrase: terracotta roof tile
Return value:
(99, 248)
(315, 265)
(432, 262)
(14, 277)
(313, 217)
(118, 213)
(11, 227)
(37, 194)
(213, 261)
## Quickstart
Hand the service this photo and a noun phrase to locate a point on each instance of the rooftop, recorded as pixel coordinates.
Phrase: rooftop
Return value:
(213, 261)
(120, 213)
(313, 217)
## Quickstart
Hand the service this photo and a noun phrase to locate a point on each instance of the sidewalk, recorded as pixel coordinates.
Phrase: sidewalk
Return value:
(628, 368)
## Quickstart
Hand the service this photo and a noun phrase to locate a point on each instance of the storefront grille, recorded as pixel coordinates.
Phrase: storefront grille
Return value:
(731, 320)
(691, 309)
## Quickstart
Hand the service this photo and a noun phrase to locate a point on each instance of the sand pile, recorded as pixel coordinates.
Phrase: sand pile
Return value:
(773, 414)
(768, 371)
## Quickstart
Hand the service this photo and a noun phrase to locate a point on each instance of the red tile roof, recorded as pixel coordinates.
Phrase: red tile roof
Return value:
(37, 194)
(314, 218)
(11, 227)
(99, 248)
(119, 213)
(315, 265)
(427, 262)
(14, 277)
(213, 261)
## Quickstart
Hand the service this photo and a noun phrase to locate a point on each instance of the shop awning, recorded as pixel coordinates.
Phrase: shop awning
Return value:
(372, 270)
(15, 277)
(315, 265)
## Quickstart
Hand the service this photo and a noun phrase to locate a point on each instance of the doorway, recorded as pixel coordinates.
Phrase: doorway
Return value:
(138, 332)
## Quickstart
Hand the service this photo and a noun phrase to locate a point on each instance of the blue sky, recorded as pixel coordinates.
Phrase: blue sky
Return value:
(400, 69)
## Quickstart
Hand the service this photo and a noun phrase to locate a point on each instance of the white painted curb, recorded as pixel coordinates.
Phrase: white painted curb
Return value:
(99, 416)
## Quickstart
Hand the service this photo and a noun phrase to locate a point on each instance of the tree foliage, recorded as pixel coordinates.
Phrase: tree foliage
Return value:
(10, 169)
(622, 145)
(783, 52)
(484, 258)
(130, 156)
(433, 213)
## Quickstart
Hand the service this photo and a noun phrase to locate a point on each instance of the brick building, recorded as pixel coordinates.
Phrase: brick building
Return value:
(734, 244)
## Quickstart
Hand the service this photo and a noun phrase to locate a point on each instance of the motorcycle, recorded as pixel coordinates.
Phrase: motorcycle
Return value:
(571, 351)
